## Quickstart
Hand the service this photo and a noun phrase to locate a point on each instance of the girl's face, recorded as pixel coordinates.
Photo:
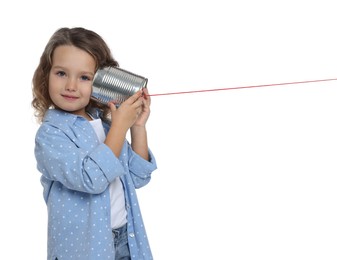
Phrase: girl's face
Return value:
(70, 79)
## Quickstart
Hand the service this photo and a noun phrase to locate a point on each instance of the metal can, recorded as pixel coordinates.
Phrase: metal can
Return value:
(116, 85)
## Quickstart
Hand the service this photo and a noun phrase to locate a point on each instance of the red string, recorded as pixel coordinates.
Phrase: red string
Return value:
(254, 86)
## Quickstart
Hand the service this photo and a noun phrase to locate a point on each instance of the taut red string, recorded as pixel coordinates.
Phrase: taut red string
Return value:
(253, 86)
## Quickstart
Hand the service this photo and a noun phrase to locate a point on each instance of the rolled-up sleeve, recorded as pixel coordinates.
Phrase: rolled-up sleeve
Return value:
(140, 168)
(86, 170)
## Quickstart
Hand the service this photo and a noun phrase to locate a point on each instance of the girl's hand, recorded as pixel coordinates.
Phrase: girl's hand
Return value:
(128, 112)
(145, 111)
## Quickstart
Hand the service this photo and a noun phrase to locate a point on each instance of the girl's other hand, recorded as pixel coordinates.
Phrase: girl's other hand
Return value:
(145, 111)
(128, 112)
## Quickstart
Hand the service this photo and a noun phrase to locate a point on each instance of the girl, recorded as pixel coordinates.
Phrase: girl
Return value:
(89, 170)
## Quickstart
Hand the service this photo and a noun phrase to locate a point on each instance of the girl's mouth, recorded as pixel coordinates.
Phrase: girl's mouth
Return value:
(71, 98)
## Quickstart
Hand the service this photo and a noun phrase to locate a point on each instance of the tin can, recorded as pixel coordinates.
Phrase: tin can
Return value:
(116, 85)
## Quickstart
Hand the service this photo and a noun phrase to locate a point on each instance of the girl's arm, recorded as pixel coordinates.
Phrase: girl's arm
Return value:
(122, 119)
(139, 141)
(138, 130)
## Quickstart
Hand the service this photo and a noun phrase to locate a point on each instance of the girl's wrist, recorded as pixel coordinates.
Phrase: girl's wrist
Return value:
(138, 127)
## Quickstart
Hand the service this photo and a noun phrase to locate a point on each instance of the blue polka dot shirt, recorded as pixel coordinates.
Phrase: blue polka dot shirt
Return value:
(76, 172)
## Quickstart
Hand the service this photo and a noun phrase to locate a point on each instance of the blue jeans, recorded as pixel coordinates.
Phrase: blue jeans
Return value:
(121, 243)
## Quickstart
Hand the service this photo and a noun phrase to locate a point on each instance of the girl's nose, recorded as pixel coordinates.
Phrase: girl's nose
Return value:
(71, 85)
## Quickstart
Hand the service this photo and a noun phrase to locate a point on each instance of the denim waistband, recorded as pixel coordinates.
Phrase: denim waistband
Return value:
(116, 232)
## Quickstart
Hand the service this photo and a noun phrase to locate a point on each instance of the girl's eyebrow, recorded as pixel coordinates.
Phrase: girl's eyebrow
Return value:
(57, 67)
(82, 72)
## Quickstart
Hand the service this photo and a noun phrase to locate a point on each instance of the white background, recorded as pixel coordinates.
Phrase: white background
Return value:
(242, 174)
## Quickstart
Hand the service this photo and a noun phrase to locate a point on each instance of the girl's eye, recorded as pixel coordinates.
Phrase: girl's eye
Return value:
(61, 73)
(85, 78)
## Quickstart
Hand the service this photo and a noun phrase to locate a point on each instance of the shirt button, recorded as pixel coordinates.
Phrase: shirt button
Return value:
(131, 234)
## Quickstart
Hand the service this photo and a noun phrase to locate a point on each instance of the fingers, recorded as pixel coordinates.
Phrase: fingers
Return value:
(137, 101)
(135, 97)
(112, 106)
(146, 96)
(133, 104)
(145, 93)
(133, 101)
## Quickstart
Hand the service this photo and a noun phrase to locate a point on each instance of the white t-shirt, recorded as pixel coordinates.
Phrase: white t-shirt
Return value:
(117, 199)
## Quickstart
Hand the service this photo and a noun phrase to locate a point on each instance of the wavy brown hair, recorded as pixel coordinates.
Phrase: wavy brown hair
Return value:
(81, 38)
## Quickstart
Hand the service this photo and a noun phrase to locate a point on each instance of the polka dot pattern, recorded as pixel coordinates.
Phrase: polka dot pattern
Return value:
(76, 172)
